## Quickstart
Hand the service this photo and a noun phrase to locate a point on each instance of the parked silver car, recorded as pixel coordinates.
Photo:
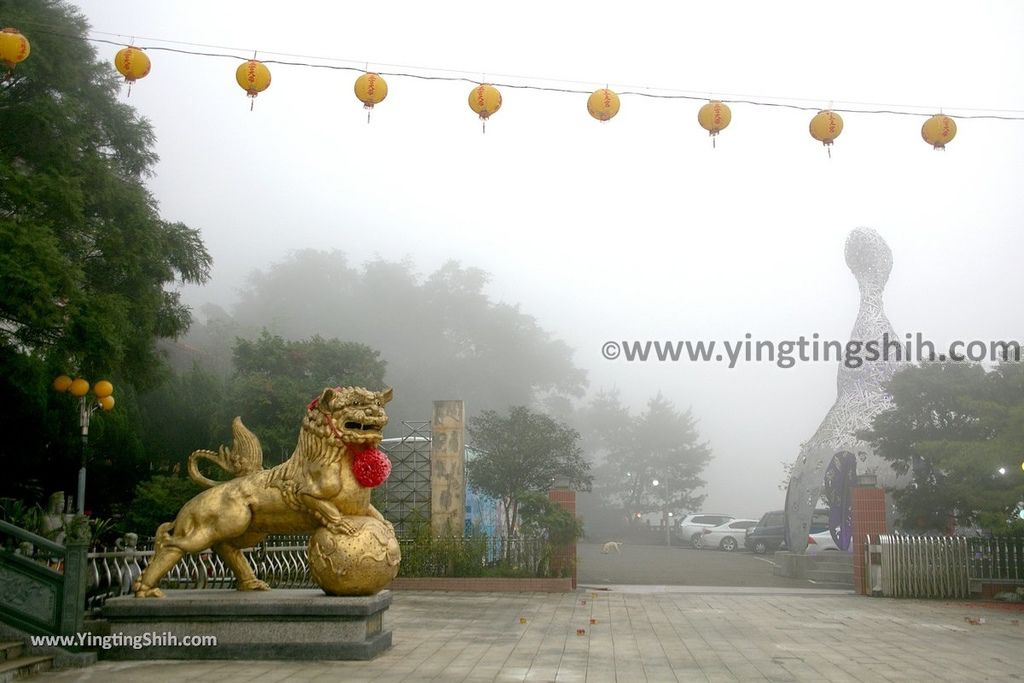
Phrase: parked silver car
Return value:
(727, 537)
(821, 542)
(692, 526)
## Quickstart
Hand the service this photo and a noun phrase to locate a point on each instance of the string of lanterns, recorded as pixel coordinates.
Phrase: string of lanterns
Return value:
(253, 76)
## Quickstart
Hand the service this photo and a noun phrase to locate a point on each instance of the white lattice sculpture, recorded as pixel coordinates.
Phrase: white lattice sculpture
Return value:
(861, 394)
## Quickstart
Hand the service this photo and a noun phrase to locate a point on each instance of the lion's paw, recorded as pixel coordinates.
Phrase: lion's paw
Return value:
(343, 527)
(141, 590)
(254, 585)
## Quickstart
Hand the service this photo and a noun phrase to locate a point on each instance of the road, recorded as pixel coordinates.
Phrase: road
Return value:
(680, 566)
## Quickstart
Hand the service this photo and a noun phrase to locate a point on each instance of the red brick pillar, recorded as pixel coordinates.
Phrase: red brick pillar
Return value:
(868, 518)
(564, 557)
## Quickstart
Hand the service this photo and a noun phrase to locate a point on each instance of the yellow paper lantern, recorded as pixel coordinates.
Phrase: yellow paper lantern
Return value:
(132, 63)
(103, 388)
(371, 89)
(254, 77)
(938, 130)
(484, 99)
(14, 47)
(62, 383)
(826, 127)
(714, 117)
(79, 387)
(107, 403)
(603, 104)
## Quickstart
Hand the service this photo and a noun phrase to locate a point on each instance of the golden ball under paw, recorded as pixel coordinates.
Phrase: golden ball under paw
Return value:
(361, 563)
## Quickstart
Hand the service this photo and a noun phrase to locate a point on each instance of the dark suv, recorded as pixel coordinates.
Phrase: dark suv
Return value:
(770, 533)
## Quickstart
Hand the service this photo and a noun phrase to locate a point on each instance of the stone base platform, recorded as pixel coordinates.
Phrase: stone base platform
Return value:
(279, 624)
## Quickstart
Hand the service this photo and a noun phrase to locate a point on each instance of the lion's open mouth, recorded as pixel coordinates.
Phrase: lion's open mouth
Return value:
(359, 426)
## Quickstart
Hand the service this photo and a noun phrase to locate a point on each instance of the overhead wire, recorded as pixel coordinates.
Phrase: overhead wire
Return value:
(453, 75)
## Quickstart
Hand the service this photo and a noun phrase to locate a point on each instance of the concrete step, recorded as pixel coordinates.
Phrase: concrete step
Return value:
(834, 567)
(825, 576)
(11, 649)
(20, 668)
(833, 586)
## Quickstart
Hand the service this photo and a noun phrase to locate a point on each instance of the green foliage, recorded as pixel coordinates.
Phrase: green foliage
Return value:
(84, 255)
(182, 414)
(87, 265)
(38, 520)
(543, 517)
(103, 531)
(158, 500)
(424, 554)
(520, 453)
(20, 514)
(275, 379)
(441, 334)
(662, 444)
(953, 427)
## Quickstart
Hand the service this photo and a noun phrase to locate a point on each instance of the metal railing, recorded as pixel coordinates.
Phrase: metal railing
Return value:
(904, 566)
(469, 556)
(995, 560)
(282, 562)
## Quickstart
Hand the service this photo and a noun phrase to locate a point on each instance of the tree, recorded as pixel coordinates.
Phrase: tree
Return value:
(541, 516)
(275, 379)
(520, 453)
(959, 430)
(182, 414)
(544, 518)
(158, 500)
(442, 335)
(86, 261)
(84, 256)
(662, 446)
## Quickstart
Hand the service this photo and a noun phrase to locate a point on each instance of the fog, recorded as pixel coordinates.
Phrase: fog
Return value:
(632, 229)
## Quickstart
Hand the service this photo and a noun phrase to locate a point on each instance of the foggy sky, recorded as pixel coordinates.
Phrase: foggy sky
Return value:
(632, 229)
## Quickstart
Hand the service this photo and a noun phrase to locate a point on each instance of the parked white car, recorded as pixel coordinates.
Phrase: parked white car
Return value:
(727, 537)
(692, 526)
(821, 542)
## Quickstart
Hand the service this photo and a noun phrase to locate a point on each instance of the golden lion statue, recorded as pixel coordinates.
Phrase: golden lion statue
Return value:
(325, 485)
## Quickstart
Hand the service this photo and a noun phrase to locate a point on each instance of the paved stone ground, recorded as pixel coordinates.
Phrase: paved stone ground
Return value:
(683, 566)
(644, 633)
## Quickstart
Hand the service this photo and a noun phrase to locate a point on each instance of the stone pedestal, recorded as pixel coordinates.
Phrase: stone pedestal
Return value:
(279, 624)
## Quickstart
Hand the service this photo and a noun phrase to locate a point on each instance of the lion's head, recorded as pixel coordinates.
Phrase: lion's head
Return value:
(351, 415)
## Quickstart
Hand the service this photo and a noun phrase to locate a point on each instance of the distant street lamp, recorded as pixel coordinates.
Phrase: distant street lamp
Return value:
(102, 399)
(665, 515)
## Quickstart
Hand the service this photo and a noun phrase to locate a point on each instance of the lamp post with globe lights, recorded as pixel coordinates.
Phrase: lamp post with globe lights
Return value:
(101, 399)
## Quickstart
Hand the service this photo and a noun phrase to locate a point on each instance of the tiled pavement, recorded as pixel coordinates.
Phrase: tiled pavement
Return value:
(649, 633)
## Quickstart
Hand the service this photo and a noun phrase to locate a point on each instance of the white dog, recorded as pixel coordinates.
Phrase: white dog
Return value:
(608, 547)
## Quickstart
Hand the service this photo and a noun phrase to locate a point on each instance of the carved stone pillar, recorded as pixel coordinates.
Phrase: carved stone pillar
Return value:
(448, 468)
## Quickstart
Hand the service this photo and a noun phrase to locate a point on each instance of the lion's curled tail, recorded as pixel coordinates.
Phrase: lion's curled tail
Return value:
(244, 457)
